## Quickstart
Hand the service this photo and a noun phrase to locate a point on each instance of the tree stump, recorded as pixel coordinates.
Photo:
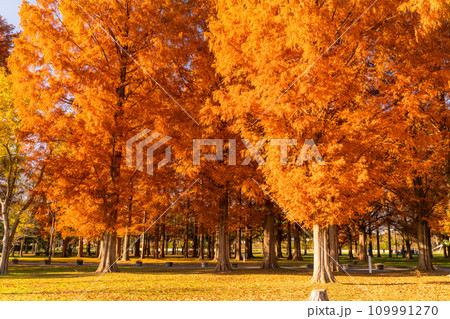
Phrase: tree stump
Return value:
(319, 295)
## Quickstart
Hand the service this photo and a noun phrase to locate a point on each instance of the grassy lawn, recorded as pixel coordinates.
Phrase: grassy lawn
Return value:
(308, 259)
(134, 283)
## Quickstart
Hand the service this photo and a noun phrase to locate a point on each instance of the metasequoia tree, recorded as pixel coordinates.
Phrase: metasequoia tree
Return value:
(414, 87)
(259, 57)
(95, 80)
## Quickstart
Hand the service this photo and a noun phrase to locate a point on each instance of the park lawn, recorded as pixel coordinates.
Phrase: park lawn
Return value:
(308, 259)
(133, 283)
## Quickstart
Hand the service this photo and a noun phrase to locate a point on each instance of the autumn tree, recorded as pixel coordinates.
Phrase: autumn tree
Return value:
(96, 79)
(19, 175)
(6, 41)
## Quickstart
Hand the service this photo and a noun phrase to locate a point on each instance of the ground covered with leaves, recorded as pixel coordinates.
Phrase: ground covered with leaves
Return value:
(28, 282)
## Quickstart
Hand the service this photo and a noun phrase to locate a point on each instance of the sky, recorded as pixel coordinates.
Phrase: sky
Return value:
(9, 9)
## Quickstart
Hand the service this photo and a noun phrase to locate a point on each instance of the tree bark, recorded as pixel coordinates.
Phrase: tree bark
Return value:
(201, 255)
(80, 247)
(424, 263)
(305, 244)
(350, 245)
(378, 244)
(279, 240)
(322, 267)
(126, 250)
(269, 253)
(186, 240)
(88, 249)
(156, 253)
(5, 253)
(108, 255)
(389, 241)
(334, 251)
(289, 241)
(64, 247)
(319, 295)
(408, 248)
(362, 256)
(238, 244)
(223, 260)
(119, 247)
(210, 247)
(163, 237)
(144, 245)
(248, 243)
(195, 241)
(297, 244)
(137, 247)
(22, 241)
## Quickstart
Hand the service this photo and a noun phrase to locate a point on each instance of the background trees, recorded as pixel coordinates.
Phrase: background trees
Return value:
(370, 89)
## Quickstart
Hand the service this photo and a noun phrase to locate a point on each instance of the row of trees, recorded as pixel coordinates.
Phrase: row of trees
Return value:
(371, 90)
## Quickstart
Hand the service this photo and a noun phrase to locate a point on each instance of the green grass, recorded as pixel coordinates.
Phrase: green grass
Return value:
(308, 259)
(39, 282)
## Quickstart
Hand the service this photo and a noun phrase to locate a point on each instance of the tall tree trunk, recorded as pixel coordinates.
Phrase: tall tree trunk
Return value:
(350, 246)
(108, 255)
(297, 244)
(370, 248)
(223, 260)
(216, 245)
(80, 247)
(126, 244)
(378, 244)
(279, 240)
(210, 247)
(5, 252)
(34, 248)
(305, 244)
(408, 248)
(334, 251)
(195, 241)
(248, 243)
(174, 247)
(322, 267)
(424, 263)
(22, 241)
(289, 241)
(137, 247)
(389, 241)
(98, 248)
(186, 239)
(65, 244)
(362, 256)
(201, 255)
(269, 253)
(163, 237)
(119, 247)
(88, 249)
(156, 253)
(429, 241)
(144, 245)
(238, 244)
